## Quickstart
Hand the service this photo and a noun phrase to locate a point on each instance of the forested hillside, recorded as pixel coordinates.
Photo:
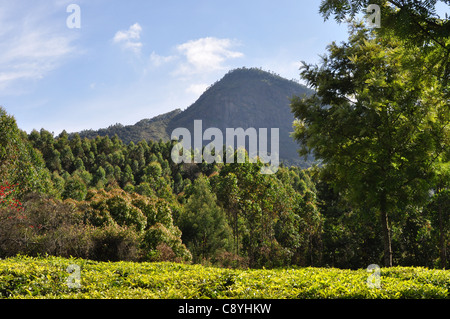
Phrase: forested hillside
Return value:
(108, 200)
(154, 129)
(104, 199)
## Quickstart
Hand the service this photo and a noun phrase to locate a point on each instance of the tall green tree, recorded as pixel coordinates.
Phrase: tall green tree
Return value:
(439, 208)
(204, 228)
(20, 163)
(416, 22)
(378, 120)
(272, 224)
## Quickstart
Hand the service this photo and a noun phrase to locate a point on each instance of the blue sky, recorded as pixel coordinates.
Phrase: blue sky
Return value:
(136, 59)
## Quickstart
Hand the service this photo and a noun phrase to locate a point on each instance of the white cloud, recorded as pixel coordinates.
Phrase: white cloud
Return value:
(206, 55)
(133, 33)
(158, 60)
(129, 39)
(197, 62)
(30, 46)
(197, 89)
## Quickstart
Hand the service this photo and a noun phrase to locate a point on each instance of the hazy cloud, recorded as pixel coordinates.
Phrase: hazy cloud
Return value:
(31, 46)
(197, 89)
(129, 39)
(206, 54)
(158, 60)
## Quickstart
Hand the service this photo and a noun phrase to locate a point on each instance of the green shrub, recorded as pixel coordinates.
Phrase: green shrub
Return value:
(43, 226)
(159, 239)
(26, 277)
(114, 243)
(125, 214)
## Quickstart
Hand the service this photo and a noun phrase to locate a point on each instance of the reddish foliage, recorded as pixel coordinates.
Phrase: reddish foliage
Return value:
(7, 197)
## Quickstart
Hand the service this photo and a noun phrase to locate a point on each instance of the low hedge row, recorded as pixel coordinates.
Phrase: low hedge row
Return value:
(51, 277)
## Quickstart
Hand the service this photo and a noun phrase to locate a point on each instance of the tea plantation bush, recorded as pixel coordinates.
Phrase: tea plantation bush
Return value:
(28, 277)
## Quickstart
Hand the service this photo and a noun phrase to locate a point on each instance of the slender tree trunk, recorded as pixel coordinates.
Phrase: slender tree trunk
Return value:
(386, 233)
(443, 253)
(237, 234)
(386, 240)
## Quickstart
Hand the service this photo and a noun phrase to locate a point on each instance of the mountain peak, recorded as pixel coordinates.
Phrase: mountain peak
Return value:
(258, 73)
(243, 98)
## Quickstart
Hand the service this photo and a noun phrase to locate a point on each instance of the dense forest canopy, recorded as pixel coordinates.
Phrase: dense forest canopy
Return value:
(102, 199)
